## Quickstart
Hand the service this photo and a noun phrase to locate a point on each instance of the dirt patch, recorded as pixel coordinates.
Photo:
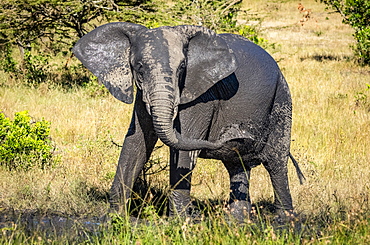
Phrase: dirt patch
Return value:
(32, 221)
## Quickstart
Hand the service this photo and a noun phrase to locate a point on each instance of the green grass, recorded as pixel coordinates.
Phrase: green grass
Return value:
(331, 127)
(215, 230)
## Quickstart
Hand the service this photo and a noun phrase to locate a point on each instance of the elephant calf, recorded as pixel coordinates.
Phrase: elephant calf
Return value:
(203, 95)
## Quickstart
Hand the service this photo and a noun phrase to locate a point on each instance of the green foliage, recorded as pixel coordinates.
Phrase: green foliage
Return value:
(7, 63)
(68, 76)
(47, 29)
(24, 21)
(35, 68)
(43, 29)
(219, 15)
(25, 144)
(362, 98)
(252, 33)
(362, 48)
(356, 13)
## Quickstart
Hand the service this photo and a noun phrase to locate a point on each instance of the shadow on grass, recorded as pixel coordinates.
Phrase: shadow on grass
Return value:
(156, 201)
(150, 204)
(31, 224)
(145, 203)
(322, 58)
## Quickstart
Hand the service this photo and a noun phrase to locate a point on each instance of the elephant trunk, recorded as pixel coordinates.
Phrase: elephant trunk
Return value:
(163, 113)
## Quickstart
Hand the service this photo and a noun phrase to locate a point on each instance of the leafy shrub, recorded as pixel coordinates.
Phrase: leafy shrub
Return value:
(7, 63)
(362, 48)
(356, 13)
(25, 144)
(252, 33)
(362, 98)
(72, 75)
(218, 15)
(35, 68)
(45, 35)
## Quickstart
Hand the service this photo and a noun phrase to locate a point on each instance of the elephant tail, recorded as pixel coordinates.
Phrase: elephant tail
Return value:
(299, 172)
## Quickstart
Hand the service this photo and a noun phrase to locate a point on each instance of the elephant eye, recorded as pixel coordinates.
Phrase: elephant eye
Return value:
(139, 70)
(182, 65)
(139, 74)
(181, 68)
(139, 67)
(180, 74)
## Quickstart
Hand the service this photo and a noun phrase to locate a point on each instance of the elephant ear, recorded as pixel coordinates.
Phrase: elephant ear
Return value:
(209, 60)
(105, 52)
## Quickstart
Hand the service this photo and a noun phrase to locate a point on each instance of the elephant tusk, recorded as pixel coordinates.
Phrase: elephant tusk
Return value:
(175, 111)
(148, 108)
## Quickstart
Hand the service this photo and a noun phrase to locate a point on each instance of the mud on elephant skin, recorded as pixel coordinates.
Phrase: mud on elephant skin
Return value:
(203, 95)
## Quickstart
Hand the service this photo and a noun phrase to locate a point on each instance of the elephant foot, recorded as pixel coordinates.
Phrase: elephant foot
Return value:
(115, 208)
(240, 210)
(118, 209)
(289, 220)
(285, 217)
(180, 204)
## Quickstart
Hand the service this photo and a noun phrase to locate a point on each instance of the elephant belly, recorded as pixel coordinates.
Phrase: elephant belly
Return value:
(240, 145)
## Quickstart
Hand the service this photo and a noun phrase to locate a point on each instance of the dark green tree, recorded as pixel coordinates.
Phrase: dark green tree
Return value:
(23, 22)
(44, 28)
(356, 13)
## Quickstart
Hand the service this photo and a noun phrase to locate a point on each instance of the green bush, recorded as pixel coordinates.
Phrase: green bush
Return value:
(7, 63)
(25, 144)
(356, 13)
(35, 68)
(362, 48)
(38, 67)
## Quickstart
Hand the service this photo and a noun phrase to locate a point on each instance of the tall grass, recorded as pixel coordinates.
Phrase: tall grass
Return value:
(331, 127)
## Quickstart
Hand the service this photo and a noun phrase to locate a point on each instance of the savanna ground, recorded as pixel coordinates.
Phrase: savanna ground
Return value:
(330, 139)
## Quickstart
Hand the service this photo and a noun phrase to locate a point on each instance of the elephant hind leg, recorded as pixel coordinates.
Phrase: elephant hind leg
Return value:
(275, 160)
(280, 184)
(276, 152)
(240, 203)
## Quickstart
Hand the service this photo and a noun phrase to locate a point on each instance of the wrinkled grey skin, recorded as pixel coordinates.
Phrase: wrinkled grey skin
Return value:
(204, 95)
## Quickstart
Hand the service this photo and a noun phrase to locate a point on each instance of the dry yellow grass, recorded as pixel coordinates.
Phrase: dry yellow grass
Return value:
(82, 129)
(331, 119)
(331, 127)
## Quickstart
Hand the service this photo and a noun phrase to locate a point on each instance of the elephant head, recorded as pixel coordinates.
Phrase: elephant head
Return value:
(170, 66)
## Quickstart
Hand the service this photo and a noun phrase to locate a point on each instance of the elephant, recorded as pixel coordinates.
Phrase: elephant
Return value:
(207, 95)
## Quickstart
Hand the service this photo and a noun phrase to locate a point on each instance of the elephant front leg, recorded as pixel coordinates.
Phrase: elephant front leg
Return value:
(137, 148)
(181, 166)
(131, 161)
(240, 203)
